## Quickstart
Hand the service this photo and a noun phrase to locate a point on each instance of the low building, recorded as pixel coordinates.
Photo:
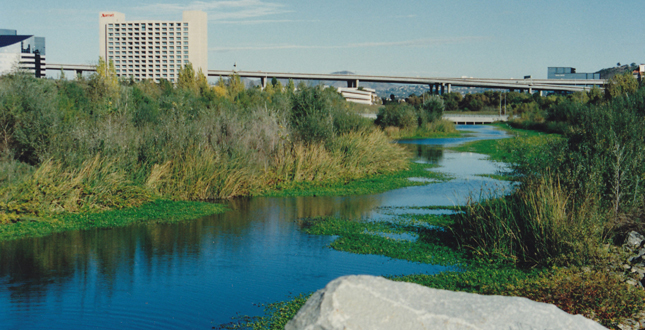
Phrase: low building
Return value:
(568, 73)
(22, 52)
(152, 49)
(359, 95)
(640, 72)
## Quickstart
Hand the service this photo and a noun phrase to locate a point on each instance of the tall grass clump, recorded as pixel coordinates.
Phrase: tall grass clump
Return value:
(99, 143)
(575, 191)
(538, 224)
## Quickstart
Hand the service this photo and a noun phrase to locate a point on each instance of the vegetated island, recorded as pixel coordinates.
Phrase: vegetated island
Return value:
(105, 152)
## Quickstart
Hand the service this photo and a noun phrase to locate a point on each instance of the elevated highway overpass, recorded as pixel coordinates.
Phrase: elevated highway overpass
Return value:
(435, 84)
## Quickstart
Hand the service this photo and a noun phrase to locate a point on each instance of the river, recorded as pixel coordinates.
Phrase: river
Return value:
(198, 274)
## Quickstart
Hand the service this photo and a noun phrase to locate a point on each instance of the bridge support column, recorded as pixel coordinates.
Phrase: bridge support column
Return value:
(352, 83)
(263, 83)
(443, 88)
(541, 93)
(449, 85)
(431, 87)
(79, 73)
(530, 90)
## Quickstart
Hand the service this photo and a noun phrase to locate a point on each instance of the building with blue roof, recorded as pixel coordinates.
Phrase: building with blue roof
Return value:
(22, 52)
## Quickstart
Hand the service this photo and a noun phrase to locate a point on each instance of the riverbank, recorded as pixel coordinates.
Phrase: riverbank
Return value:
(167, 211)
(158, 211)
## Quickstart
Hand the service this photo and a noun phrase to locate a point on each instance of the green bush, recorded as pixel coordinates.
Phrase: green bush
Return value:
(397, 115)
(311, 114)
(430, 110)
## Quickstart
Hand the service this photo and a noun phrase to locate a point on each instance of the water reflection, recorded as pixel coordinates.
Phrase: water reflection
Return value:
(199, 273)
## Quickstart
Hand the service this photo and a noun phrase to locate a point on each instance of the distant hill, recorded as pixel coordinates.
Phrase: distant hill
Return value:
(343, 72)
(610, 72)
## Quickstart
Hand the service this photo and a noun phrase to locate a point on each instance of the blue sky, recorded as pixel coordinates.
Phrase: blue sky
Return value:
(449, 38)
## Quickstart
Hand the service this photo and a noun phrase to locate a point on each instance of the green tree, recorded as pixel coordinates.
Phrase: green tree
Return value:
(595, 95)
(105, 83)
(186, 78)
(291, 87)
(452, 100)
(621, 84)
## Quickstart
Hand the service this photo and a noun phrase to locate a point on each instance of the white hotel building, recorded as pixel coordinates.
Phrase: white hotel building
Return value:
(148, 49)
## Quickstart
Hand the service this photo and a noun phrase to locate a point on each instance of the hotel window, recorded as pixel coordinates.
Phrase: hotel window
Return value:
(185, 34)
(110, 38)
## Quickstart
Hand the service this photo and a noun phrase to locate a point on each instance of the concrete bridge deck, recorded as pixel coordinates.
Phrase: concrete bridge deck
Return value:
(435, 84)
(474, 119)
(461, 119)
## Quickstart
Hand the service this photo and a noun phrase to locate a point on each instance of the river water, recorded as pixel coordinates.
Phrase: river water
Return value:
(200, 273)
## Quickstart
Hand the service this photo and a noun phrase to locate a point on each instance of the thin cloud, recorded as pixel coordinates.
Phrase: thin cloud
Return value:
(265, 21)
(222, 10)
(404, 43)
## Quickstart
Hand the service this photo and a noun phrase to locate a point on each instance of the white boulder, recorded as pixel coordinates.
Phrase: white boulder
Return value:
(369, 302)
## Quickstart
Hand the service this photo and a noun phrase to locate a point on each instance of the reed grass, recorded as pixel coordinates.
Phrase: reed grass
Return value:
(70, 147)
(538, 224)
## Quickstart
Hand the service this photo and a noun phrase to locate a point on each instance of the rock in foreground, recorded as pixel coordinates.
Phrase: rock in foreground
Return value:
(368, 302)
